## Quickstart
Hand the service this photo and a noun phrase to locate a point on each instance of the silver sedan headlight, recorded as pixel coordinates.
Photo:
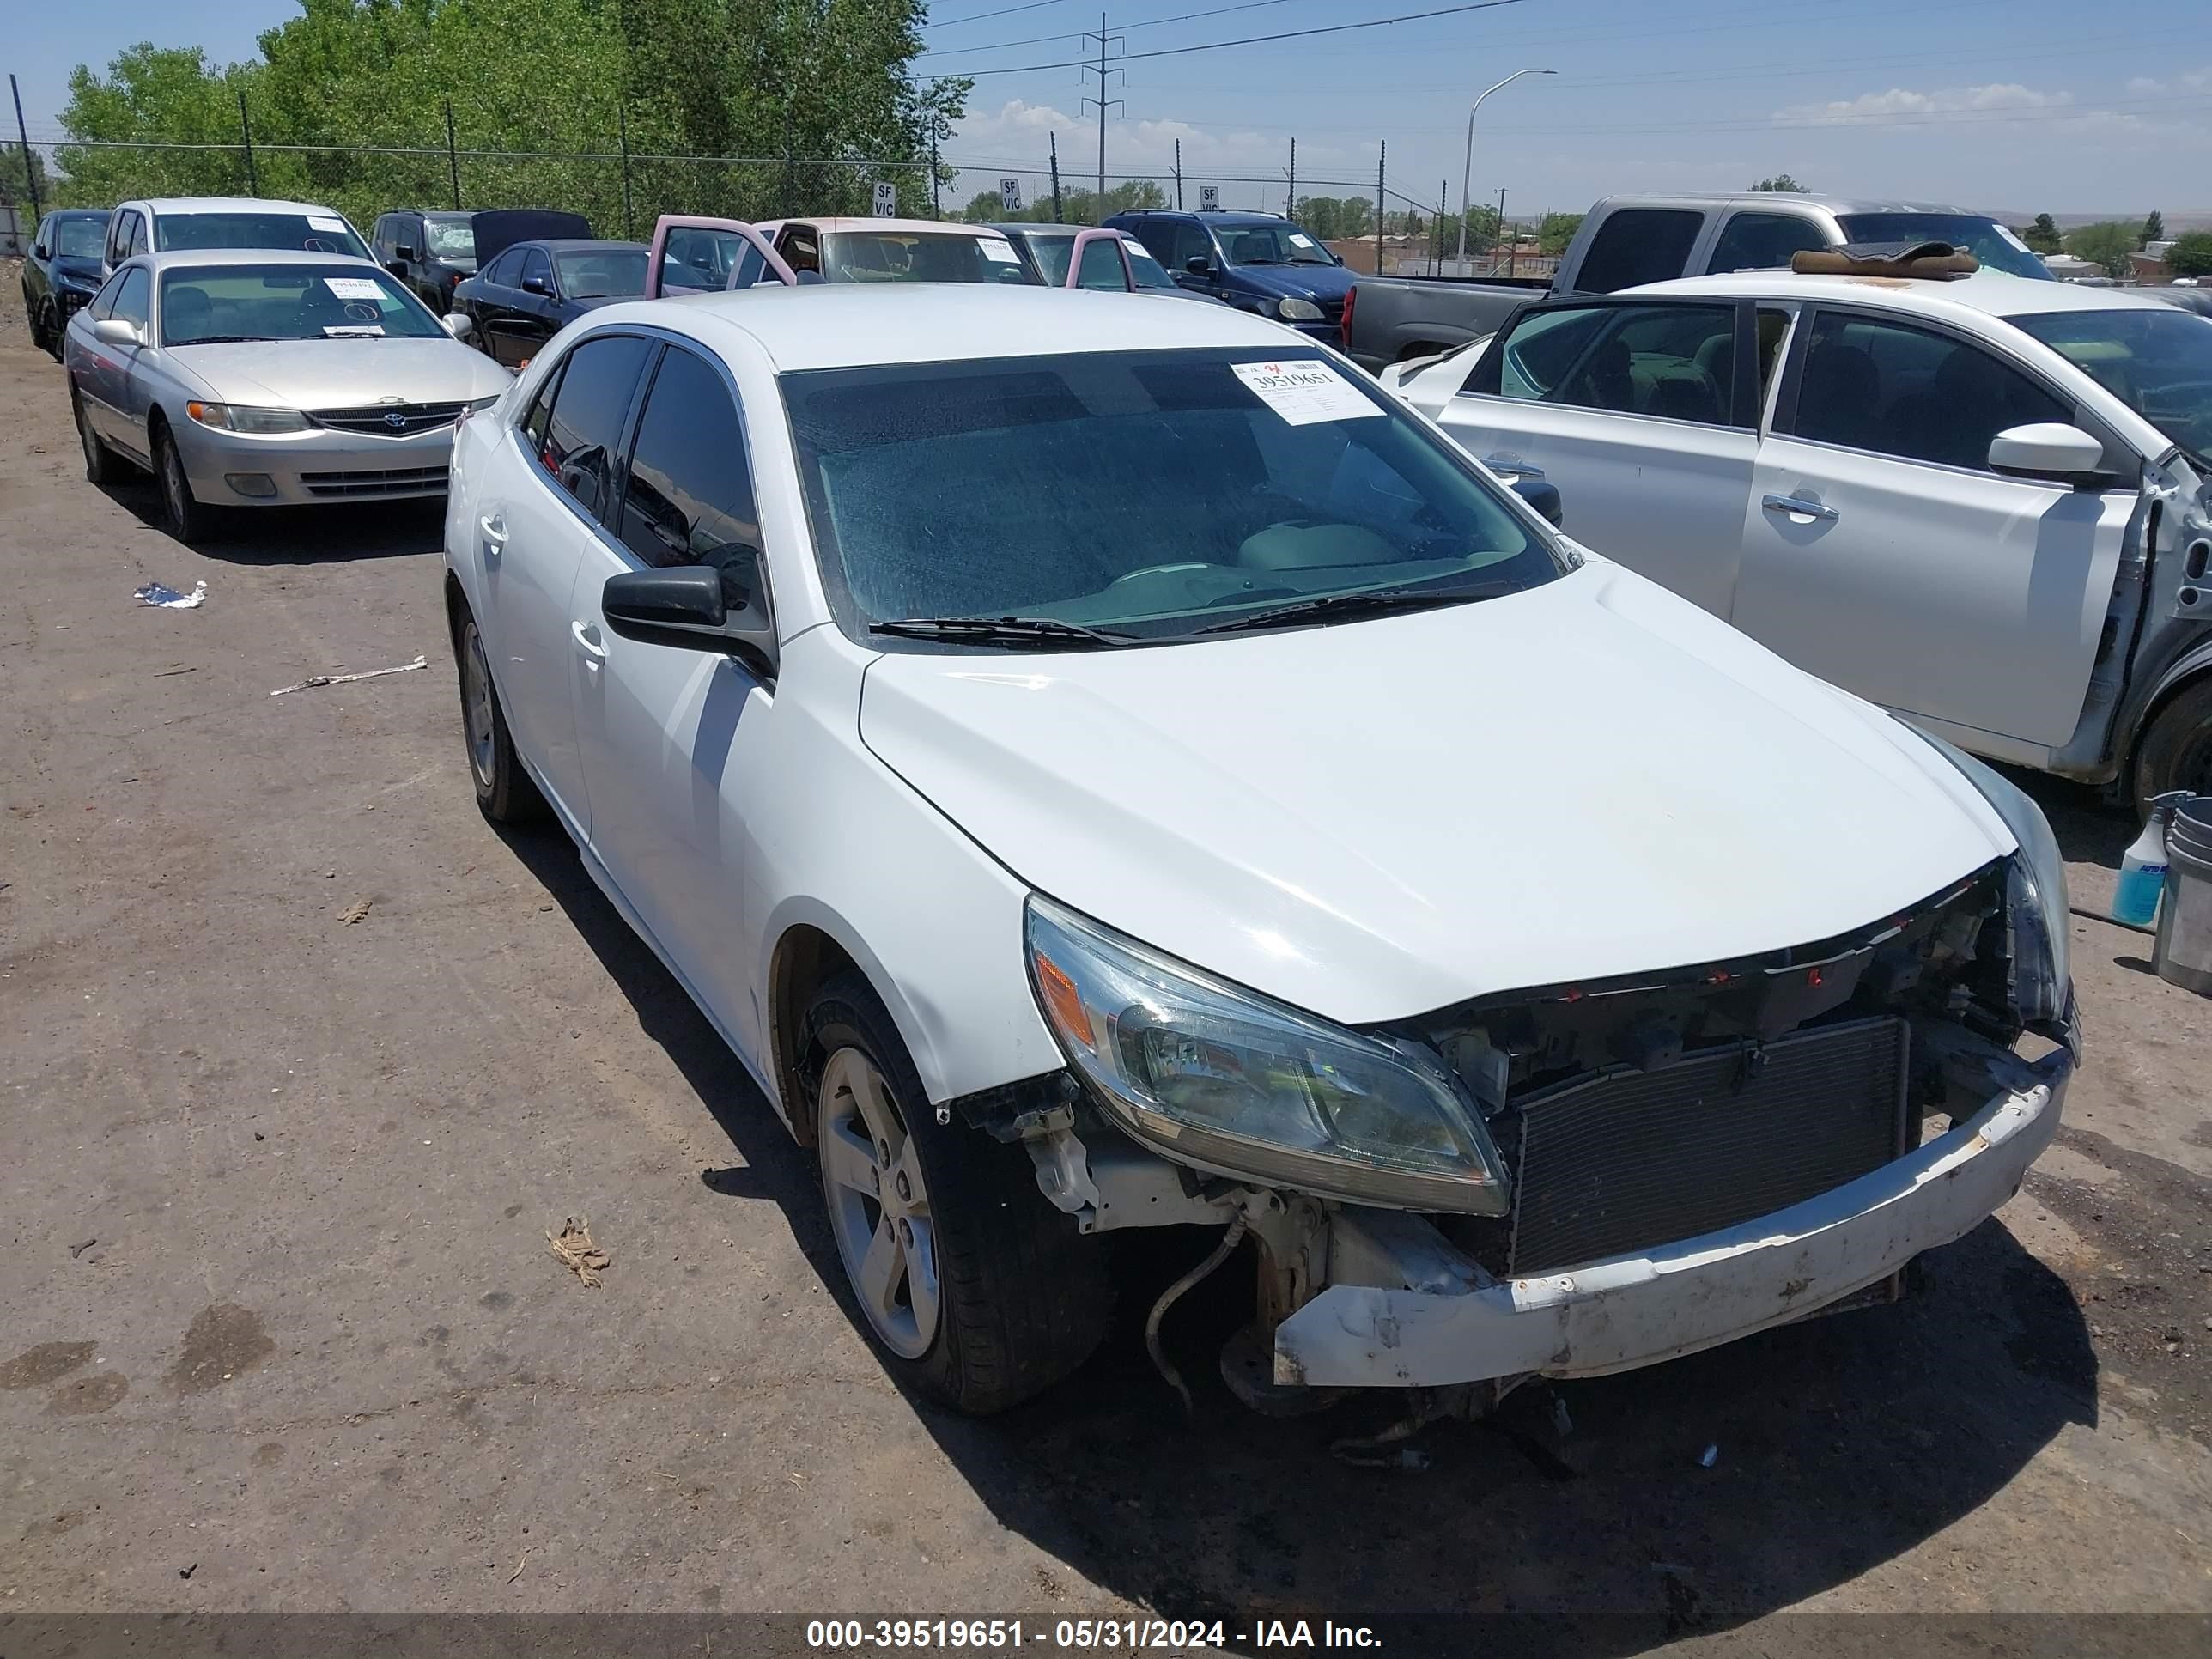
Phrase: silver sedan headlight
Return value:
(240, 417)
(1300, 311)
(1225, 1079)
(2038, 911)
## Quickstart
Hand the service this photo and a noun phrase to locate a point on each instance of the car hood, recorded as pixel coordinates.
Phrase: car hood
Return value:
(1297, 282)
(1382, 818)
(76, 269)
(455, 264)
(342, 374)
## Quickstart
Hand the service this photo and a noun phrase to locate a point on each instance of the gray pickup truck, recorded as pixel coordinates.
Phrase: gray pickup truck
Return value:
(1627, 240)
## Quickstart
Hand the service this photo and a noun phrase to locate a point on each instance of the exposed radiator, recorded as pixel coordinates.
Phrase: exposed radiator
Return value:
(1630, 1160)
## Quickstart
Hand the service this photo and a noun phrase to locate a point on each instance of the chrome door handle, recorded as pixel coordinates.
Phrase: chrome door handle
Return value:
(587, 641)
(1798, 505)
(494, 526)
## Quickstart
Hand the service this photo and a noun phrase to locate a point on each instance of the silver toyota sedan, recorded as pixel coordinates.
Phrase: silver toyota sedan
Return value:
(258, 378)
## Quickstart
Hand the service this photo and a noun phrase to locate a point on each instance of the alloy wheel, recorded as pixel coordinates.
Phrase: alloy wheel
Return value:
(879, 1205)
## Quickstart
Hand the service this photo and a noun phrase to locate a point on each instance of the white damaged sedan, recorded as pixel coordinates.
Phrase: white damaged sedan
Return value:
(1102, 764)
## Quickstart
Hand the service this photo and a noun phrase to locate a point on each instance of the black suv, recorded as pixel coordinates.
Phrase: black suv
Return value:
(62, 271)
(429, 252)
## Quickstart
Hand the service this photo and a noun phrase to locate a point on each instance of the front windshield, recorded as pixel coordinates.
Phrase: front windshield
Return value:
(2158, 362)
(603, 273)
(1271, 244)
(311, 233)
(80, 239)
(1991, 243)
(1149, 494)
(208, 305)
(906, 256)
(451, 238)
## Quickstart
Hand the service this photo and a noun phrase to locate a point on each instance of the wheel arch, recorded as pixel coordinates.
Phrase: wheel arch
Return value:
(814, 945)
(2192, 668)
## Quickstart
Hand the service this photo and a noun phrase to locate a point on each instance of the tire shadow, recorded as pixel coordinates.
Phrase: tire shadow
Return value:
(298, 535)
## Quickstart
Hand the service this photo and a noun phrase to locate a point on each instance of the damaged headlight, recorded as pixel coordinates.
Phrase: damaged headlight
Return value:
(1228, 1080)
(2038, 909)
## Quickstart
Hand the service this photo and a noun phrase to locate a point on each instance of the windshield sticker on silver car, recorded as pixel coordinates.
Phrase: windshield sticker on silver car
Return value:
(354, 288)
(1304, 393)
(316, 222)
(1000, 250)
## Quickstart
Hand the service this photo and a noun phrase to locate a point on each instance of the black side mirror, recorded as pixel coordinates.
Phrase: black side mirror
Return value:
(536, 285)
(403, 251)
(693, 607)
(1198, 265)
(1544, 497)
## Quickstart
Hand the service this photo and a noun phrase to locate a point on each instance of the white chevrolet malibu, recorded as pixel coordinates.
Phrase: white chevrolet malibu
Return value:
(1102, 764)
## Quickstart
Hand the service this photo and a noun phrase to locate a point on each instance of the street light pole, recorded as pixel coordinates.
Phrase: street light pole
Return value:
(1467, 169)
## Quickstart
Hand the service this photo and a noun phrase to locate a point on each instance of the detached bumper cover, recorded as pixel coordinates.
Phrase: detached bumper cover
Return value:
(1634, 1311)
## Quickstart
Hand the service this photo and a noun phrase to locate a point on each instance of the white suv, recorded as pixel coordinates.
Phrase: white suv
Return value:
(1105, 764)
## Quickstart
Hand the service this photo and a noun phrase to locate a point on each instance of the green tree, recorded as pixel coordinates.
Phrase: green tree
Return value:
(2042, 236)
(2154, 228)
(1782, 182)
(2108, 243)
(1557, 230)
(2191, 254)
(17, 179)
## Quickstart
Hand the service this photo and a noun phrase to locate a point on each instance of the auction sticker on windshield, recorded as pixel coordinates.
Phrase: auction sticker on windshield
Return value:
(1003, 251)
(316, 221)
(354, 288)
(1303, 393)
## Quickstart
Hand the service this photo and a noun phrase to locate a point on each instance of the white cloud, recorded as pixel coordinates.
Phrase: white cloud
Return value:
(2194, 81)
(1872, 108)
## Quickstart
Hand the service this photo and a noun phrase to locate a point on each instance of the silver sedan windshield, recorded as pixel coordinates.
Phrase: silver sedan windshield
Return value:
(203, 305)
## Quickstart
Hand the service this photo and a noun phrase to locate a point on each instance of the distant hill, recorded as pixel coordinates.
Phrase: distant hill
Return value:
(2177, 219)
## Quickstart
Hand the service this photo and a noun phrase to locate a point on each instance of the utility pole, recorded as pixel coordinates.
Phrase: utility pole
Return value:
(1382, 152)
(1055, 138)
(1102, 72)
(453, 169)
(1467, 165)
(1436, 241)
(30, 167)
(1498, 231)
(246, 131)
(1178, 175)
(1291, 207)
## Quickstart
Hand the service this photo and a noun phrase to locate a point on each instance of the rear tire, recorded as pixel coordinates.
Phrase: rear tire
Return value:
(975, 1290)
(505, 792)
(102, 466)
(189, 520)
(2176, 749)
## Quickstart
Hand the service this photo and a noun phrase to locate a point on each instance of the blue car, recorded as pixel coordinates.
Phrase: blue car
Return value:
(63, 272)
(1257, 261)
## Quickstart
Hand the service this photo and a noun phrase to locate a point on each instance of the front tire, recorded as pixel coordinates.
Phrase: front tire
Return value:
(505, 794)
(189, 520)
(978, 1292)
(2176, 750)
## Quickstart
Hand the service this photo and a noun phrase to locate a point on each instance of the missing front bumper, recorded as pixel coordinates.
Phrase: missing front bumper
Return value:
(1641, 1307)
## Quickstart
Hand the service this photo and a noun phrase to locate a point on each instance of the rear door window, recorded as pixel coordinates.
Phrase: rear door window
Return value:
(1677, 362)
(1102, 267)
(689, 500)
(1191, 242)
(589, 409)
(1636, 245)
(506, 269)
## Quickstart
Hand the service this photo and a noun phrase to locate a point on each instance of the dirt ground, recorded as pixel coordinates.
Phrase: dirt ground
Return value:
(281, 1331)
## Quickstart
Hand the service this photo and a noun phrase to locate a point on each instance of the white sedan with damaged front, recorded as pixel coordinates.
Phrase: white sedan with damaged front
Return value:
(1102, 764)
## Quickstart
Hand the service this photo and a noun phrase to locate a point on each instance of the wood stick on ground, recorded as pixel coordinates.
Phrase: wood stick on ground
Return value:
(574, 1248)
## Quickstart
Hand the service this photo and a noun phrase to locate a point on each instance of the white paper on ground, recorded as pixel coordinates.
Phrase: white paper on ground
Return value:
(1305, 392)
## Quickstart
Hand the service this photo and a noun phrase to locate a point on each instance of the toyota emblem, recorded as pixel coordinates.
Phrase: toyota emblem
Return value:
(395, 420)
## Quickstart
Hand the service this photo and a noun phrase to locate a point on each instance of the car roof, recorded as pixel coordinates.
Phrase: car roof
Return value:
(177, 259)
(1992, 292)
(78, 213)
(855, 325)
(577, 245)
(1212, 216)
(1779, 198)
(183, 204)
(1019, 229)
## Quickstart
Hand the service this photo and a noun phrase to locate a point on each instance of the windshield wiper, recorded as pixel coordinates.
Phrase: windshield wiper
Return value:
(1373, 603)
(997, 630)
(229, 339)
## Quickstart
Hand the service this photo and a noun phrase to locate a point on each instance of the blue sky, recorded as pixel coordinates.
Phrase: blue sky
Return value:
(2015, 105)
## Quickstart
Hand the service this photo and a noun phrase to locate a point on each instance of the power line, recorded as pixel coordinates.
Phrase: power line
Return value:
(1148, 23)
(978, 16)
(1253, 39)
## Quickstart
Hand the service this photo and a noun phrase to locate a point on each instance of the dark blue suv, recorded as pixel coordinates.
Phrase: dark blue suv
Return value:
(1257, 261)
